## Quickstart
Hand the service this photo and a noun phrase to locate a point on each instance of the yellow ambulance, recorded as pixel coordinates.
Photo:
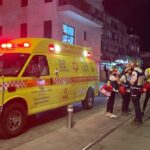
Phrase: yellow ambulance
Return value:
(38, 74)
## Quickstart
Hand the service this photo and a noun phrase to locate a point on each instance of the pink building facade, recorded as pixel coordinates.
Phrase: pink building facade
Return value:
(47, 18)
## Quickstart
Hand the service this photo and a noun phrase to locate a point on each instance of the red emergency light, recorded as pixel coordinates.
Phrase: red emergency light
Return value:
(6, 45)
(89, 54)
(11, 45)
(51, 47)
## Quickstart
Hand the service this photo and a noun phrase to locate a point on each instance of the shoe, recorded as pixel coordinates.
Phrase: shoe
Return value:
(112, 116)
(108, 114)
(136, 123)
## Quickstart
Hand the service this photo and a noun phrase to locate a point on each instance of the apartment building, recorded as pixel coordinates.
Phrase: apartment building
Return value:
(114, 38)
(134, 45)
(73, 21)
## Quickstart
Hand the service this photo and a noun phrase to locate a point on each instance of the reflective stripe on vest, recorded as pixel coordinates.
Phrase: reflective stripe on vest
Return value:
(148, 70)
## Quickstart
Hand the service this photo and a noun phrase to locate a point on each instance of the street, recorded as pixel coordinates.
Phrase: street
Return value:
(91, 130)
(50, 121)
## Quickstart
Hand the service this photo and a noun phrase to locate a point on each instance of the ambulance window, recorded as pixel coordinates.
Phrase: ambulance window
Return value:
(38, 66)
(11, 64)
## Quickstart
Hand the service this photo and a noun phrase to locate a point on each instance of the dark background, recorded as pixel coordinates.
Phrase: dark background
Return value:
(135, 14)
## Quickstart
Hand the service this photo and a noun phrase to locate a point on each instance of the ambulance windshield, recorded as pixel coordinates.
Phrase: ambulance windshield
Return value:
(12, 63)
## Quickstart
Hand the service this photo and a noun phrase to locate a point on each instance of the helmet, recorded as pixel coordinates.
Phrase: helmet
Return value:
(136, 62)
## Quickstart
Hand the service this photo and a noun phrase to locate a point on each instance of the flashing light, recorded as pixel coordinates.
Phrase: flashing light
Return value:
(57, 48)
(10, 45)
(51, 47)
(4, 45)
(87, 54)
(26, 45)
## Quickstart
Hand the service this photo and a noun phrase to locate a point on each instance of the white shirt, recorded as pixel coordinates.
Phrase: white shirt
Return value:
(134, 77)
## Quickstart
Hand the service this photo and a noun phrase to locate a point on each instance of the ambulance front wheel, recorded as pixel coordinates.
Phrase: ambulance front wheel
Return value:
(89, 99)
(13, 120)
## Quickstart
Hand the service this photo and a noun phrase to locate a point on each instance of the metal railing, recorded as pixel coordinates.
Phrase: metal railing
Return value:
(84, 7)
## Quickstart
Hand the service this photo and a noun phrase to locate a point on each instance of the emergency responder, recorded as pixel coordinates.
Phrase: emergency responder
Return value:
(114, 82)
(137, 81)
(125, 82)
(147, 95)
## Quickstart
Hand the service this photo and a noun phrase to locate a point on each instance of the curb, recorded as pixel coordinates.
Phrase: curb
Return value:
(100, 137)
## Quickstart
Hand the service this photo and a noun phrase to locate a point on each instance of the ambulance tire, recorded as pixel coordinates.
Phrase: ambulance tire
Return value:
(13, 120)
(89, 99)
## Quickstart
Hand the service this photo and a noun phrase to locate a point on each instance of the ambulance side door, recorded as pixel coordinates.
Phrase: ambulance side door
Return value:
(39, 85)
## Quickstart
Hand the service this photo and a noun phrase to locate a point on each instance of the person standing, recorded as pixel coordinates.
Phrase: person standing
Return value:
(106, 73)
(125, 81)
(147, 95)
(114, 82)
(137, 81)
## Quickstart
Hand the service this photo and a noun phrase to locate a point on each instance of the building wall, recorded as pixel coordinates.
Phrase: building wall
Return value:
(36, 12)
(96, 3)
(114, 38)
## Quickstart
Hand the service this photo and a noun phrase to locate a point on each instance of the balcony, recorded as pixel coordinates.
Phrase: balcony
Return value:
(84, 7)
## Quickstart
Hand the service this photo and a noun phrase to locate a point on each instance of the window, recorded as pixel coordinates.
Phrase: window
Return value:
(84, 35)
(23, 30)
(48, 1)
(68, 34)
(24, 3)
(1, 2)
(1, 31)
(38, 66)
(48, 29)
(11, 63)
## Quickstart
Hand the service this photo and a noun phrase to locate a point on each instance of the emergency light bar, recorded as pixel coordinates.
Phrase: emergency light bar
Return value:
(10, 45)
(87, 54)
(54, 48)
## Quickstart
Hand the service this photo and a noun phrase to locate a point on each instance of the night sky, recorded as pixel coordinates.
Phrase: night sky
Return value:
(135, 14)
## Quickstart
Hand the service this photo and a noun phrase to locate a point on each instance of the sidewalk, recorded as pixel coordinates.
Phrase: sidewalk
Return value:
(127, 137)
(84, 133)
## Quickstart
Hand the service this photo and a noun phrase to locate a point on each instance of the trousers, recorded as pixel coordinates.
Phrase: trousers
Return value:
(125, 102)
(136, 103)
(147, 96)
(110, 102)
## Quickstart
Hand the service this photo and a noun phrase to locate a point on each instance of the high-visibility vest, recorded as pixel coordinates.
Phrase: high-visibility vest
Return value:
(148, 70)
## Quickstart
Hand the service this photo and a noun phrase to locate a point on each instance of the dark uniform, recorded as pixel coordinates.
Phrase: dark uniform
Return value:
(137, 81)
(147, 95)
(125, 80)
(113, 79)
